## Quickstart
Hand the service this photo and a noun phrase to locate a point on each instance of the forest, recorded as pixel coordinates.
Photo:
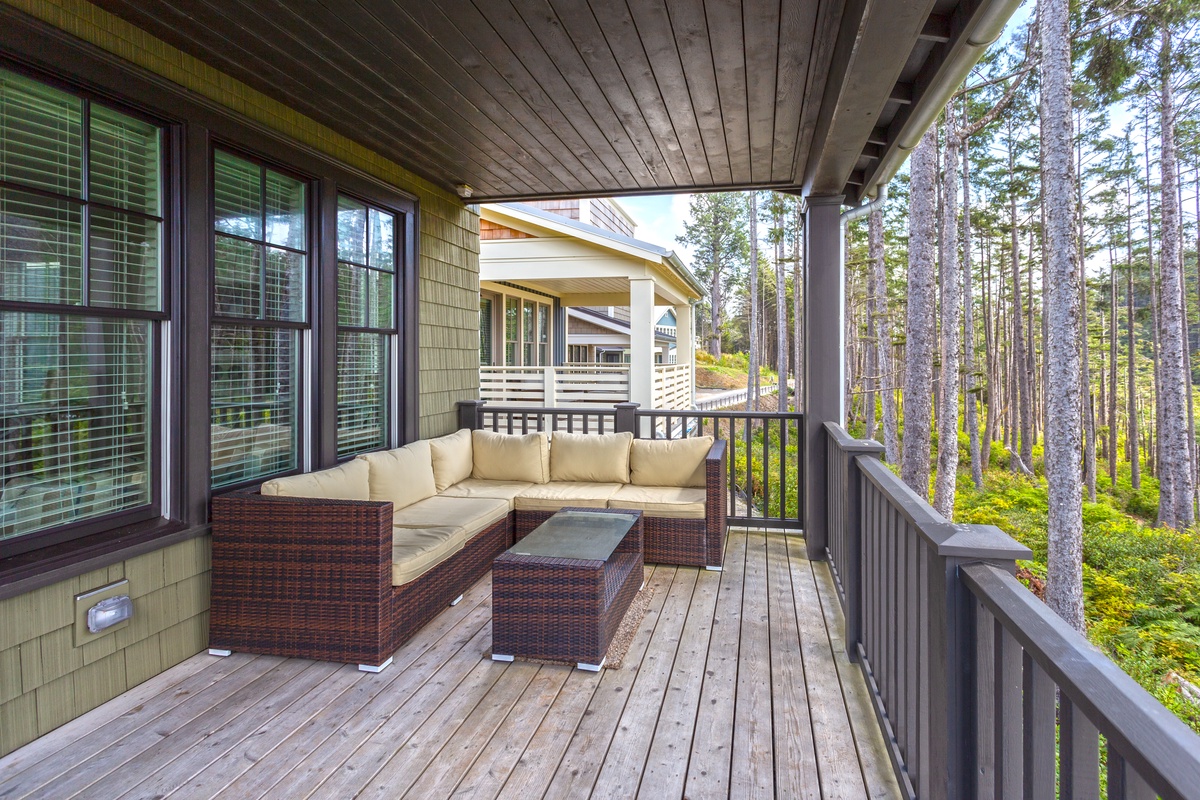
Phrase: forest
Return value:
(1028, 291)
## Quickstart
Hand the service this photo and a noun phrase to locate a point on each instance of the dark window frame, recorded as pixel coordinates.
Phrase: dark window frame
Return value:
(194, 123)
(158, 404)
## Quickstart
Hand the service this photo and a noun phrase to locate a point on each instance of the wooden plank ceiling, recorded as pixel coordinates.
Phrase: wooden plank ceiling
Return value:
(535, 98)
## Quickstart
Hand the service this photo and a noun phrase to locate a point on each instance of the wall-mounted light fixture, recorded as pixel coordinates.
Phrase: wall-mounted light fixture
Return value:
(465, 190)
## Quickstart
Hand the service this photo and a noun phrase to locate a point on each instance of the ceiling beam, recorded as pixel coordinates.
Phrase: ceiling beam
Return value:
(902, 93)
(937, 29)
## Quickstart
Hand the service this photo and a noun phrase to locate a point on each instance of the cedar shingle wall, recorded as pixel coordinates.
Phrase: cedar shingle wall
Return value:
(44, 680)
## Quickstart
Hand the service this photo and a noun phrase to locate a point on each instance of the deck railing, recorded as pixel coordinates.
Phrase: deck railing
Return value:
(672, 386)
(587, 385)
(980, 689)
(766, 466)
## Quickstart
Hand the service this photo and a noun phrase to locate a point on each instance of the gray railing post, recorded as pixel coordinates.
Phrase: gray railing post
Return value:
(626, 420)
(952, 664)
(852, 519)
(469, 413)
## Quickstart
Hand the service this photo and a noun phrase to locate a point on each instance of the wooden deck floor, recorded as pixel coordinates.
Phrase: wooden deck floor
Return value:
(735, 685)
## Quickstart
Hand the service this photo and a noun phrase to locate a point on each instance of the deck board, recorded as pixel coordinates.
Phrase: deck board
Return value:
(736, 684)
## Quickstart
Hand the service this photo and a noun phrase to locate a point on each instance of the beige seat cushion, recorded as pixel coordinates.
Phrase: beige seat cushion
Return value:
(451, 459)
(504, 457)
(660, 501)
(497, 490)
(347, 482)
(602, 458)
(403, 475)
(669, 462)
(557, 494)
(416, 551)
(471, 513)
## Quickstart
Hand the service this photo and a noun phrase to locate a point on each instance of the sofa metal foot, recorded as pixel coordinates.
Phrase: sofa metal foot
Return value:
(216, 651)
(456, 600)
(380, 668)
(499, 657)
(715, 569)
(591, 667)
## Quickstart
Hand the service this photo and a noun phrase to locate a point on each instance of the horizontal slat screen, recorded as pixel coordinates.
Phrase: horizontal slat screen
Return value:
(362, 422)
(75, 425)
(255, 402)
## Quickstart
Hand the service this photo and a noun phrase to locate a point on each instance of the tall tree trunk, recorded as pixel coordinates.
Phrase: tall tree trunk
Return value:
(945, 484)
(1023, 397)
(797, 308)
(714, 322)
(883, 333)
(752, 378)
(990, 359)
(972, 393)
(918, 355)
(1064, 582)
(781, 343)
(1112, 372)
(1085, 375)
(1175, 469)
(1133, 445)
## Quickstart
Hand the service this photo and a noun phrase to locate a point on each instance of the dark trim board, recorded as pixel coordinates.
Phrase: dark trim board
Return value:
(194, 125)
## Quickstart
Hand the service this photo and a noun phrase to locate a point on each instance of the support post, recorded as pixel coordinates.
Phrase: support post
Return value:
(549, 388)
(626, 420)
(468, 413)
(824, 359)
(685, 347)
(641, 341)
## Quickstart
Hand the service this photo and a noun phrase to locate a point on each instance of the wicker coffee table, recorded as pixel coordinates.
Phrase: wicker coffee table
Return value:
(560, 593)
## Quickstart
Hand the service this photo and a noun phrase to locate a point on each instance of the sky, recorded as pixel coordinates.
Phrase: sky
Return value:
(660, 219)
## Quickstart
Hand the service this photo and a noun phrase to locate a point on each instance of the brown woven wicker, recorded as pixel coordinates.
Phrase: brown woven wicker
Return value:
(564, 609)
(684, 542)
(310, 577)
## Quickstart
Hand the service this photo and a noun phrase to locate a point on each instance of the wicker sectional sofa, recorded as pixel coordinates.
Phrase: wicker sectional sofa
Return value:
(346, 564)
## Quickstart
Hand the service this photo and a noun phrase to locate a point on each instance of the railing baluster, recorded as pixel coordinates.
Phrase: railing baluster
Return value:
(1009, 737)
(1123, 781)
(1038, 699)
(985, 704)
(765, 427)
(1079, 753)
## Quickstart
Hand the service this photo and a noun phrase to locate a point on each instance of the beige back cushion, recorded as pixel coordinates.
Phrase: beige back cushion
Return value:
(347, 482)
(603, 458)
(403, 475)
(666, 462)
(452, 461)
(501, 457)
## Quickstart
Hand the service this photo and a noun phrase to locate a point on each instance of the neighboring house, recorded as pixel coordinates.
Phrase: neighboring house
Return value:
(573, 308)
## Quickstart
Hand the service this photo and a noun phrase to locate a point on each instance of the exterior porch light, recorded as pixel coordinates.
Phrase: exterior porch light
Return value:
(464, 190)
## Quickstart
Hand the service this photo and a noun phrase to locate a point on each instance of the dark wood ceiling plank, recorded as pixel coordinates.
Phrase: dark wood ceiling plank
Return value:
(690, 29)
(644, 50)
(465, 38)
(796, 24)
(592, 118)
(825, 32)
(188, 32)
(724, 19)
(340, 61)
(760, 26)
(581, 29)
(634, 144)
(396, 74)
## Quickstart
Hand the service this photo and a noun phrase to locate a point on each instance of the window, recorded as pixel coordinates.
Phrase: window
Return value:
(526, 333)
(512, 330)
(81, 307)
(259, 310)
(366, 325)
(485, 331)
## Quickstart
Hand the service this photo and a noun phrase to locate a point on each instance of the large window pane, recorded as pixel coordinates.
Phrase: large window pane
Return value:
(124, 258)
(125, 159)
(285, 211)
(255, 402)
(382, 234)
(237, 278)
(75, 418)
(512, 330)
(41, 135)
(238, 196)
(40, 249)
(352, 231)
(362, 392)
(485, 331)
(543, 334)
(284, 281)
(528, 338)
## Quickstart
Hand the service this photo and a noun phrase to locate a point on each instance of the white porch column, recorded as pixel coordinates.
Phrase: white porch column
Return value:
(641, 341)
(685, 345)
(824, 357)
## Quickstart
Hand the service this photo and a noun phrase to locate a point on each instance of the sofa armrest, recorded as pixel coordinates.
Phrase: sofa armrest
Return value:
(340, 548)
(716, 506)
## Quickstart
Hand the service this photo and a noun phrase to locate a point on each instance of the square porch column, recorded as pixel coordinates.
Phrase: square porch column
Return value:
(641, 341)
(685, 345)
(824, 357)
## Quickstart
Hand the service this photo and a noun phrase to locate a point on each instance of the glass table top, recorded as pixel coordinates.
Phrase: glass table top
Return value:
(576, 534)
